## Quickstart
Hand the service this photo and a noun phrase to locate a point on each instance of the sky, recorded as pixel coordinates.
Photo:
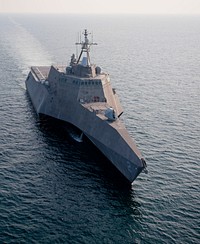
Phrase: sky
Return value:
(101, 6)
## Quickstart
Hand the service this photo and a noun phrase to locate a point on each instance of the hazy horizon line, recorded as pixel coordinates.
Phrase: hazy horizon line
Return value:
(76, 13)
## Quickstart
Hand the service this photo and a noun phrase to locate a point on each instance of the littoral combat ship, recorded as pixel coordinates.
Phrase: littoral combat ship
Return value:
(81, 94)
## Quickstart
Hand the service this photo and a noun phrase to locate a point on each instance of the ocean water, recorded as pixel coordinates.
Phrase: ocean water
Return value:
(54, 189)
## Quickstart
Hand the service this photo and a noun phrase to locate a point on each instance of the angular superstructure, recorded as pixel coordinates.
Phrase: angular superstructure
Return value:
(81, 94)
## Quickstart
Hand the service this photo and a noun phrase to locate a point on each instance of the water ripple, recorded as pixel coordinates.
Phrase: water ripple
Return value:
(55, 190)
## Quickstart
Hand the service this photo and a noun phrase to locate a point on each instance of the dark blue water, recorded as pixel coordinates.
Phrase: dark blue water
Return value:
(56, 190)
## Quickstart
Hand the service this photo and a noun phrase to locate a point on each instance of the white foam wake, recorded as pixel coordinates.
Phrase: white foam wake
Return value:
(24, 47)
(76, 137)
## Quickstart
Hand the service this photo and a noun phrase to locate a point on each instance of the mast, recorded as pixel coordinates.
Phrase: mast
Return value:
(85, 47)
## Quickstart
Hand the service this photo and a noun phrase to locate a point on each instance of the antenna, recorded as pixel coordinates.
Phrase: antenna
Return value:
(77, 46)
(85, 46)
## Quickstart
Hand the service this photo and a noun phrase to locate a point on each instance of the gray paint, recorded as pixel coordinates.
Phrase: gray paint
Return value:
(80, 95)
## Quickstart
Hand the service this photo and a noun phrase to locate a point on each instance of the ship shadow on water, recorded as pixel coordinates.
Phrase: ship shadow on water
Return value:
(97, 168)
(66, 135)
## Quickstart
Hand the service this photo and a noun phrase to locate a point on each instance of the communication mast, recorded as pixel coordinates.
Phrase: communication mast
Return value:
(85, 47)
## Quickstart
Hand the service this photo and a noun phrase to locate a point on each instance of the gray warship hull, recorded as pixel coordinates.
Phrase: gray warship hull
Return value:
(110, 137)
(82, 95)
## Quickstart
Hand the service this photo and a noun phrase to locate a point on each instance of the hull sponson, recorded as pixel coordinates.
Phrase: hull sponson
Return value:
(129, 169)
(37, 92)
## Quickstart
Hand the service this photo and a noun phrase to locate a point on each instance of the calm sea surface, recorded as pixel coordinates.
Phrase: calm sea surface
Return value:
(56, 190)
